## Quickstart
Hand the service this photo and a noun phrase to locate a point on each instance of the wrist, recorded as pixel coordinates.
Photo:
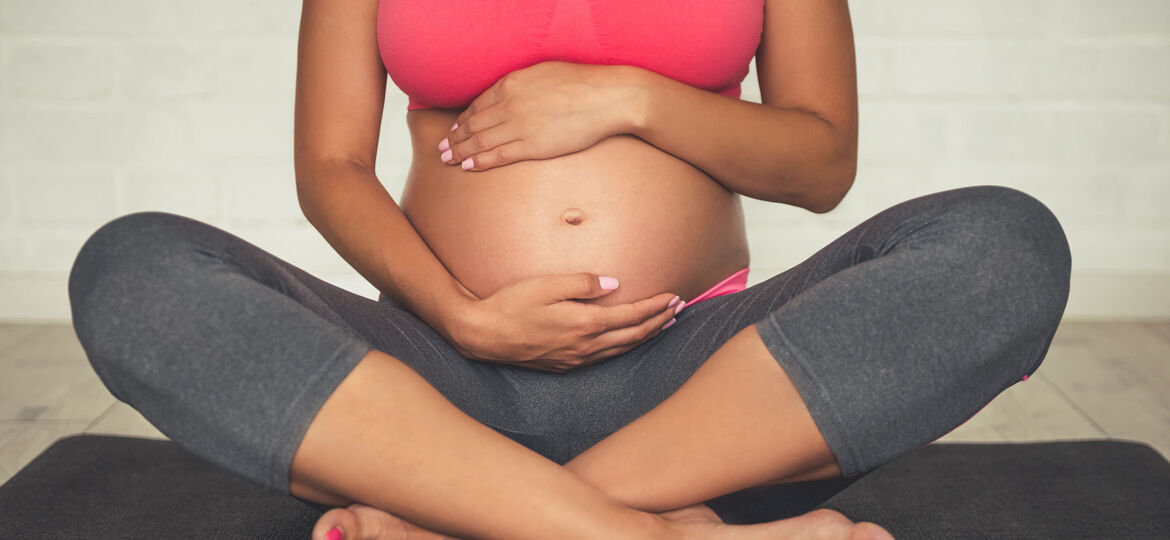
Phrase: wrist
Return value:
(633, 86)
(457, 317)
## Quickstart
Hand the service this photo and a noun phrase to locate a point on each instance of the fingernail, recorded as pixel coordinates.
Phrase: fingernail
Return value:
(446, 155)
(1025, 378)
(334, 534)
(608, 283)
(679, 307)
(673, 301)
(669, 324)
(467, 164)
(454, 126)
(444, 144)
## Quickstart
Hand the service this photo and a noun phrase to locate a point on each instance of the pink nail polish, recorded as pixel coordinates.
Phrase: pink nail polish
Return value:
(467, 164)
(679, 307)
(669, 324)
(446, 155)
(334, 534)
(608, 283)
(444, 144)
(673, 301)
(454, 126)
(1025, 378)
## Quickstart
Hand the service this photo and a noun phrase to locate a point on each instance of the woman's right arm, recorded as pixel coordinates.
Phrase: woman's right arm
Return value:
(341, 88)
(340, 91)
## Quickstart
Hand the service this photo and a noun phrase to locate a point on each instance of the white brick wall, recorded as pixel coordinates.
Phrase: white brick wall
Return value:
(118, 106)
(80, 69)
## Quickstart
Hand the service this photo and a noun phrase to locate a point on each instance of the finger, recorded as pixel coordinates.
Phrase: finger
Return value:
(623, 315)
(500, 155)
(578, 362)
(610, 344)
(633, 335)
(550, 366)
(473, 120)
(580, 285)
(483, 101)
(479, 143)
(605, 354)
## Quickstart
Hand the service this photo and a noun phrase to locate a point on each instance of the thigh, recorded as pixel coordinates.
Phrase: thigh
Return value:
(602, 398)
(941, 250)
(200, 303)
(477, 388)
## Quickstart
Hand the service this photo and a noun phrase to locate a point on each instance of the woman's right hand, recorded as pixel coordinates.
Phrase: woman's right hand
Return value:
(540, 324)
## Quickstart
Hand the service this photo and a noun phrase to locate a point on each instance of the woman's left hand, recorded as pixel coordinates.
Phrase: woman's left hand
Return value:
(542, 111)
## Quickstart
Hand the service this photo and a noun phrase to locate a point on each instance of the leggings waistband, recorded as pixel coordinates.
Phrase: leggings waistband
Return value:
(731, 284)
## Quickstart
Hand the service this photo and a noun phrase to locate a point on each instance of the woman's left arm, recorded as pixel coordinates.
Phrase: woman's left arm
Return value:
(798, 147)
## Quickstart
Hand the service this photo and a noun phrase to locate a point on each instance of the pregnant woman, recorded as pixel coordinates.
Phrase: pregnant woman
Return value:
(564, 345)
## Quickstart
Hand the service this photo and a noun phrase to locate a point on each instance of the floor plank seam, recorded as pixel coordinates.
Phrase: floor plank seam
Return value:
(104, 413)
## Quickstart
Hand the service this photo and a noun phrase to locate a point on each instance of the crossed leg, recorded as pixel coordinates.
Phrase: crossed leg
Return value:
(684, 451)
(909, 287)
(737, 422)
(897, 332)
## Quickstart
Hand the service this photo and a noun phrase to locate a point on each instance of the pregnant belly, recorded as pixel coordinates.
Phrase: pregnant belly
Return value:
(621, 208)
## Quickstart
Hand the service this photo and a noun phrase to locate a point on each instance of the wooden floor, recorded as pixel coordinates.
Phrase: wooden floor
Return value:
(1100, 380)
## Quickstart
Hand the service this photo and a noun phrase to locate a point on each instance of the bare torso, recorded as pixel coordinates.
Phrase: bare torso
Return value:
(621, 208)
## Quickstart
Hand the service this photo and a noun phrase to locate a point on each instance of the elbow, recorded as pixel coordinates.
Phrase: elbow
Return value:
(832, 184)
(310, 188)
(305, 199)
(829, 177)
(305, 173)
(823, 208)
(837, 171)
(315, 176)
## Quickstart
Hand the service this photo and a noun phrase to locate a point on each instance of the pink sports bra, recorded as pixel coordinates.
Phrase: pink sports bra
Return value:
(444, 53)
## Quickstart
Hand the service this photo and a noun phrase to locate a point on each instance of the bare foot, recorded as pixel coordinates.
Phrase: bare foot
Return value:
(822, 524)
(361, 522)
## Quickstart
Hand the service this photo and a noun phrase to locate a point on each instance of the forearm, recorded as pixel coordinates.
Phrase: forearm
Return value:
(348, 205)
(776, 154)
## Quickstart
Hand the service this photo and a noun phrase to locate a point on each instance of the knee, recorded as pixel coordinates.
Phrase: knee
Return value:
(1020, 262)
(111, 276)
(1019, 241)
(126, 243)
(1021, 219)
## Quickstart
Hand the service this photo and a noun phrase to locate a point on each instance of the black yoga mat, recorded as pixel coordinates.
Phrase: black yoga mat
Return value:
(98, 486)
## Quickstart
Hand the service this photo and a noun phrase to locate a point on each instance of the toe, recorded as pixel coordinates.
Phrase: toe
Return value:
(345, 520)
(828, 516)
(869, 531)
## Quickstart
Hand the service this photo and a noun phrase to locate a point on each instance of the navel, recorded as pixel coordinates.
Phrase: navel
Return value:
(573, 216)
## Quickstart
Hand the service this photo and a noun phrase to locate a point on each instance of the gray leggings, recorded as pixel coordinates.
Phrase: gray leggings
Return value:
(894, 334)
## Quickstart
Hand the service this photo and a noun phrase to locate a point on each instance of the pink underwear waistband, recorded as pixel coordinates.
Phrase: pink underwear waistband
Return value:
(731, 284)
